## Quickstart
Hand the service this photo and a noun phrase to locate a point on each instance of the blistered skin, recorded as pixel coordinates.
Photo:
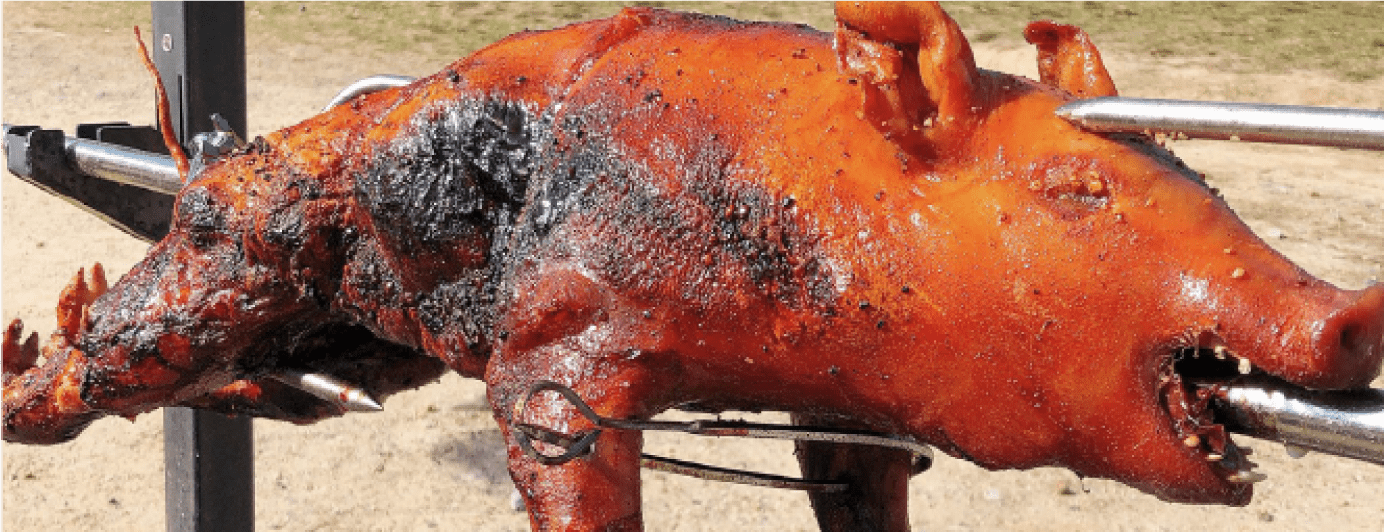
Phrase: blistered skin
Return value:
(668, 210)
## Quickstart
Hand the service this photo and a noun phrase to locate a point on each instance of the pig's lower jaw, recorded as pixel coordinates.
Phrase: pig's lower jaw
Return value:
(1186, 382)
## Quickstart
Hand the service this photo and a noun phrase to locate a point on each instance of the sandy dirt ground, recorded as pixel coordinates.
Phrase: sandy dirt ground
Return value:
(434, 459)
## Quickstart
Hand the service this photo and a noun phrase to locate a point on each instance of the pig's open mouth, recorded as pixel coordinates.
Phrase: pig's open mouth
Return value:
(1186, 381)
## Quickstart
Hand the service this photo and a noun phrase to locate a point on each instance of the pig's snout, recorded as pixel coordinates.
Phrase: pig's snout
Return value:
(1351, 342)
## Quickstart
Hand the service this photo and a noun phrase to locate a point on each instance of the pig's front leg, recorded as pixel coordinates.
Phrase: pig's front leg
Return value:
(596, 491)
(568, 330)
(877, 478)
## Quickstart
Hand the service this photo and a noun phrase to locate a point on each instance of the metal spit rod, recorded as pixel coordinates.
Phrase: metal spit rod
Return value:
(1254, 122)
(120, 164)
(1349, 424)
(129, 166)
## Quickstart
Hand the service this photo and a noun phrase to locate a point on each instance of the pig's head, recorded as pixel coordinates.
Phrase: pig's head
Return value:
(1098, 277)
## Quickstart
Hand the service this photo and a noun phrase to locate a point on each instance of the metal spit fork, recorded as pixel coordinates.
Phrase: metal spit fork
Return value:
(1349, 424)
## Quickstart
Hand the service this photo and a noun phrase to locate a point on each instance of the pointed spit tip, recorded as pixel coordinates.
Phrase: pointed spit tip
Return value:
(356, 400)
(1079, 111)
(331, 389)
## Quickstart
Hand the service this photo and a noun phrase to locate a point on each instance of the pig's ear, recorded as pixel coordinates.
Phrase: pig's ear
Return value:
(1067, 60)
(913, 66)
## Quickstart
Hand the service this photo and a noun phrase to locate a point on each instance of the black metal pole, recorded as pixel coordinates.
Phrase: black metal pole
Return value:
(199, 48)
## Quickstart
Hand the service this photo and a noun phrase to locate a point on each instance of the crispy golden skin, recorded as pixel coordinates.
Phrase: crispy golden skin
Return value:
(668, 210)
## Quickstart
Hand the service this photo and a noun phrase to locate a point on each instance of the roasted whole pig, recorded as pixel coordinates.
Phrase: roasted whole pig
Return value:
(665, 210)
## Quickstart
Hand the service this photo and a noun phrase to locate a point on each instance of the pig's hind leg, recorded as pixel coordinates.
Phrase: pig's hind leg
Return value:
(876, 497)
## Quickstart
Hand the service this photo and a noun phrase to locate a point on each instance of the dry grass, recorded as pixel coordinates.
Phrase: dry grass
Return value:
(1339, 38)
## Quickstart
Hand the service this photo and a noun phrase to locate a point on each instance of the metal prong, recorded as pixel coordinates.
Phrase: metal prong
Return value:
(222, 126)
(366, 86)
(1252, 122)
(1246, 477)
(330, 389)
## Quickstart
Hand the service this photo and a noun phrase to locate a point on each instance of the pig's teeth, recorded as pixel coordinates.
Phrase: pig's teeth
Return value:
(1221, 352)
(1213, 457)
(1246, 477)
(1246, 366)
(1192, 441)
(1294, 451)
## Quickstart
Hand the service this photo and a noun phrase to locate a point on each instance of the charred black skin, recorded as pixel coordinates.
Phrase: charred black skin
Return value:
(385, 250)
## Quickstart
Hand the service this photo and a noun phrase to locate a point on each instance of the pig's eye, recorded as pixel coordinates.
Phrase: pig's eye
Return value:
(1073, 194)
